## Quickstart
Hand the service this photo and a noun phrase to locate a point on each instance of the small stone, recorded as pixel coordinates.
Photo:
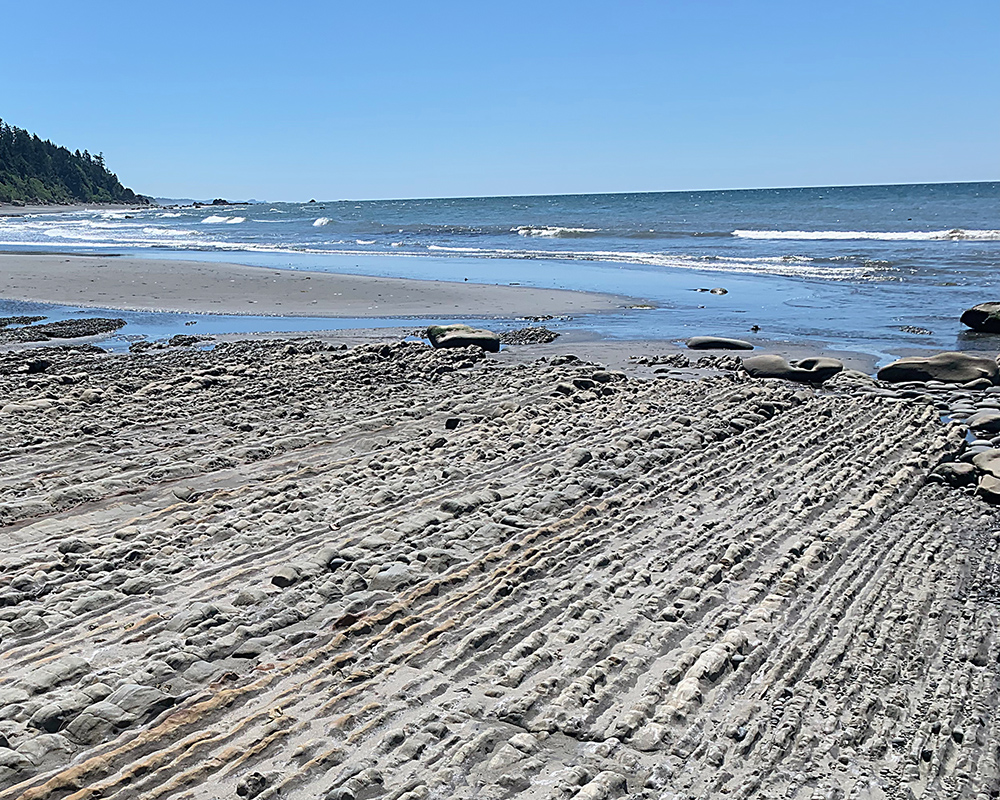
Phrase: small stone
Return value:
(284, 577)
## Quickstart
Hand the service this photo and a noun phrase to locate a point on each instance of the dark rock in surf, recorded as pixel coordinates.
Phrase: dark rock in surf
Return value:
(984, 317)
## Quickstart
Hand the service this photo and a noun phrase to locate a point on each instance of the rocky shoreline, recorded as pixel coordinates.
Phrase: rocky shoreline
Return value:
(294, 569)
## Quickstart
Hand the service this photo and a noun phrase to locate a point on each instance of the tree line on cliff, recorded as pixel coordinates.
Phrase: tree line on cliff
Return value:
(37, 171)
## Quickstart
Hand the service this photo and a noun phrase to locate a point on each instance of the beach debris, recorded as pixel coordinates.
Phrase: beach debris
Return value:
(984, 317)
(717, 343)
(806, 370)
(442, 336)
(950, 367)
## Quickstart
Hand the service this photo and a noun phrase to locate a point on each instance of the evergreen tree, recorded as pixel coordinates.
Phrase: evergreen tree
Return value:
(36, 171)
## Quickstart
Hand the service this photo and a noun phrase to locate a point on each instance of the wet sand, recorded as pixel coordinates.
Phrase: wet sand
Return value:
(286, 569)
(187, 286)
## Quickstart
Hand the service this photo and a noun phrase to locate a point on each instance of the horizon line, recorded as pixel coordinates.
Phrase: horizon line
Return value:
(593, 194)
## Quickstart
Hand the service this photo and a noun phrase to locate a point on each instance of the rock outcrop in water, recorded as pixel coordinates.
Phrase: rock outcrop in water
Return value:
(984, 317)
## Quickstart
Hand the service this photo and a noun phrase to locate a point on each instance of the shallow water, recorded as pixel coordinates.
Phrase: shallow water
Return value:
(844, 267)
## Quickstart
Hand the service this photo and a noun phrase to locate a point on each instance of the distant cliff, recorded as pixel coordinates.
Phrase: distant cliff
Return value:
(36, 171)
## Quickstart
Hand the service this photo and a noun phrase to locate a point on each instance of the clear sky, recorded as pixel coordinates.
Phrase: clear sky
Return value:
(294, 100)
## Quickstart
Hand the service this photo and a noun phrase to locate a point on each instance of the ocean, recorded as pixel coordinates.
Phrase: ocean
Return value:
(876, 269)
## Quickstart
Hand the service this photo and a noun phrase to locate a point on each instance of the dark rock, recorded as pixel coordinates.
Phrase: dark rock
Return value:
(529, 335)
(717, 343)
(955, 473)
(451, 423)
(916, 329)
(5, 321)
(984, 318)
(463, 336)
(988, 462)
(946, 367)
(64, 329)
(186, 340)
(989, 488)
(808, 370)
(988, 421)
(284, 577)
(254, 783)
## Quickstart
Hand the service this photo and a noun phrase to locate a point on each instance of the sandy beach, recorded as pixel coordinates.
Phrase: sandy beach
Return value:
(203, 288)
(291, 569)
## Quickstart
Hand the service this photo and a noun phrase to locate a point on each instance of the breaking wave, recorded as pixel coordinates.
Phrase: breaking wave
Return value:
(954, 235)
(553, 232)
(321, 221)
(214, 220)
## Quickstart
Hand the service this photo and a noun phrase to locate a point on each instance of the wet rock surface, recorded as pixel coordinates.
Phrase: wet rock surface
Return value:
(984, 317)
(534, 334)
(64, 329)
(247, 572)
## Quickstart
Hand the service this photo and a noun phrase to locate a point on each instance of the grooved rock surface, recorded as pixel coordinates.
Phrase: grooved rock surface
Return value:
(660, 589)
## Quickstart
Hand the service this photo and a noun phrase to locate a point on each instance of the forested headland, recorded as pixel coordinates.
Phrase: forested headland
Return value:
(37, 171)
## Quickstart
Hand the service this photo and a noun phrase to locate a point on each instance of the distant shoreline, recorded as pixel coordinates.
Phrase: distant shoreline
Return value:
(9, 210)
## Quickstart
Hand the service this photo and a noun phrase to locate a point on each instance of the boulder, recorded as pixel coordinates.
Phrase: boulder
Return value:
(984, 318)
(985, 421)
(463, 336)
(989, 488)
(955, 473)
(717, 343)
(808, 370)
(988, 462)
(945, 367)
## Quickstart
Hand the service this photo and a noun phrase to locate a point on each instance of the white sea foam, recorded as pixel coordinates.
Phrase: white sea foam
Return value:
(214, 220)
(786, 266)
(554, 232)
(955, 234)
(364, 241)
(235, 220)
(170, 215)
(319, 223)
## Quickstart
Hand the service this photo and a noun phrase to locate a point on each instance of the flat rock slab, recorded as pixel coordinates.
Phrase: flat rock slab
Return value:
(717, 343)
(948, 367)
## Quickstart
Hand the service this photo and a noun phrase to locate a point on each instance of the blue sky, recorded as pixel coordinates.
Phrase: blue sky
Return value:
(400, 99)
